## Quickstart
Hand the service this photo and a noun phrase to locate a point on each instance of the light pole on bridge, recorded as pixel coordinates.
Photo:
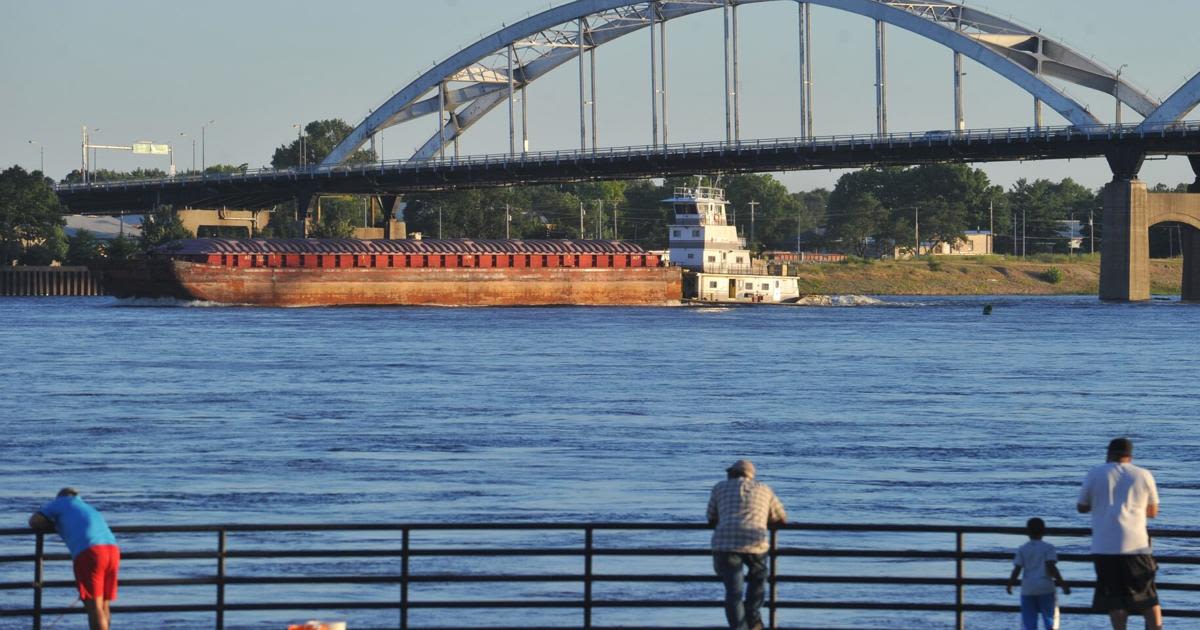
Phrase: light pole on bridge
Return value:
(203, 161)
(183, 134)
(41, 156)
(1117, 90)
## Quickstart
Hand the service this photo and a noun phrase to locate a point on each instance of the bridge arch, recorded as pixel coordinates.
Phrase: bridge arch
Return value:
(1178, 105)
(1021, 56)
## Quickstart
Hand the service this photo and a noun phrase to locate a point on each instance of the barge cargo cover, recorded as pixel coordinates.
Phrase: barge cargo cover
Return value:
(451, 272)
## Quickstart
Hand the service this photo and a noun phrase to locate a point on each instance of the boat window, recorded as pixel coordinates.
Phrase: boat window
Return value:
(712, 259)
(776, 284)
(749, 285)
(766, 286)
(675, 233)
(695, 232)
(739, 259)
(712, 284)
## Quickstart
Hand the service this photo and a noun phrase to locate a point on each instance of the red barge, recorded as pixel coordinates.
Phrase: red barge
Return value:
(451, 272)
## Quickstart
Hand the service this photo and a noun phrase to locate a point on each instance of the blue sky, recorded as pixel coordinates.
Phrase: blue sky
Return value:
(139, 69)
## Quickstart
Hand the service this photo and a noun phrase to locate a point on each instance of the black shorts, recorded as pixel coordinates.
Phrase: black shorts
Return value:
(1125, 583)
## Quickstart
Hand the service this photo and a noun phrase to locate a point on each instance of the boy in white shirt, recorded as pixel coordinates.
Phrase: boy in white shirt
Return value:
(1039, 560)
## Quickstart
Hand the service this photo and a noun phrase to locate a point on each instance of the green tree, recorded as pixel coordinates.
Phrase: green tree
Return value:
(162, 226)
(105, 175)
(319, 139)
(1041, 205)
(121, 248)
(84, 249)
(29, 214)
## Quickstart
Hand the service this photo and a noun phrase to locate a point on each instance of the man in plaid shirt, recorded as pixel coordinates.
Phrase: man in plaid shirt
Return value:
(741, 508)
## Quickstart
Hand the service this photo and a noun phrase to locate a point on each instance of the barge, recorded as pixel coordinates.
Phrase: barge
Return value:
(450, 272)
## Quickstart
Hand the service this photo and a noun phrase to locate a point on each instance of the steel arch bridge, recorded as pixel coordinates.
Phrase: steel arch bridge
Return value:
(463, 89)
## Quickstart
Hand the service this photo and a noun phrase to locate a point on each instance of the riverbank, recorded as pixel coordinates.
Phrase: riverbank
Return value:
(982, 275)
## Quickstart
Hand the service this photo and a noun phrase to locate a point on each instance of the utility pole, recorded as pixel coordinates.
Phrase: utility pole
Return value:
(917, 232)
(600, 221)
(1014, 224)
(753, 204)
(581, 235)
(991, 227)
(507, 221)
(1091, 232)
(439, 222)
(1024, 244)
(615, 237)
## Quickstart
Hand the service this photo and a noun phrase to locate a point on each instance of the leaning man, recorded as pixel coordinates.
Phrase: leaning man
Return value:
(1120, 497)
(741, 509)
(93, 548)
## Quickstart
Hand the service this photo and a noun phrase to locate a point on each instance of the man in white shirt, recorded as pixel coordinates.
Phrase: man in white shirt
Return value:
(742, 509)
(1120, 497)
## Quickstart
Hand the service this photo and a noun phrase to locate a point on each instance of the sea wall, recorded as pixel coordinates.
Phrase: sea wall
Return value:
(49, 281)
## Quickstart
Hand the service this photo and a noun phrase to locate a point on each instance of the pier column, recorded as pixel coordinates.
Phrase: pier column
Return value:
(1125, 251)
(1189, 290)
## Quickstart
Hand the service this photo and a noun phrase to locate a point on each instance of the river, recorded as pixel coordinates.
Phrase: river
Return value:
(909, 410)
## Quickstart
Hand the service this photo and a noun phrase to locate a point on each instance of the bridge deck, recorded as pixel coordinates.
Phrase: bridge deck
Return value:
(267, 187)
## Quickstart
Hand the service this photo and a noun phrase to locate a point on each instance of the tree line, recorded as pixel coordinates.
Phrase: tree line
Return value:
(869, 212)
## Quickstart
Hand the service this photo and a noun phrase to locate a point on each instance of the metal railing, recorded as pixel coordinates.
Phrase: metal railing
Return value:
(814, 143)
(932, 562)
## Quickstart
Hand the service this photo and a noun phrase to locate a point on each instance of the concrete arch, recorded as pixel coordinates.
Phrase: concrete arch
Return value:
(1178, 105)
(1016, 53)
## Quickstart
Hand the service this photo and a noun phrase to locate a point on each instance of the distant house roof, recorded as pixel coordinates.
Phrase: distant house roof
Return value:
(203, 246)
(104, 228)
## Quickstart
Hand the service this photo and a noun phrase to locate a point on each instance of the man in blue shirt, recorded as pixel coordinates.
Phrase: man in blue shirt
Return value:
(93, 548)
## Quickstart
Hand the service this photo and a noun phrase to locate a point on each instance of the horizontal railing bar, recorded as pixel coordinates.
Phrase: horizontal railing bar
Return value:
(573, 604)
(598, 577)
(603, 525)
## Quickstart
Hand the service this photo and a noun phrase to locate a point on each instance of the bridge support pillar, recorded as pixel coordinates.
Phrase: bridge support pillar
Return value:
(1125, 251)
(1189, 290)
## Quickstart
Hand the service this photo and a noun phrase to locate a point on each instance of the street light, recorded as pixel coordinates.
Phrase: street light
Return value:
(203, 162)
(1116, 90)
(41, 156)
(300, 139)
(97, 130)
(185, 135)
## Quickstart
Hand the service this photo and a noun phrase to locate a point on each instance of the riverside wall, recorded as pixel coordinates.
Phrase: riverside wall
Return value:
(50, 282)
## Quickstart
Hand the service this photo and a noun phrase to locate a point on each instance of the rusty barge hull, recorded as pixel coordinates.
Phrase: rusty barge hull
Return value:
(433, 287)
(455, 272)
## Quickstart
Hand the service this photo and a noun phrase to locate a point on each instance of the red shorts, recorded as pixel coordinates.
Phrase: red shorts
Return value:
(96, 572)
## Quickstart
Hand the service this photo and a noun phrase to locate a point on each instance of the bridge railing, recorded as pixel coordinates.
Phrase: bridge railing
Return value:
(912, 139)
(589, 574)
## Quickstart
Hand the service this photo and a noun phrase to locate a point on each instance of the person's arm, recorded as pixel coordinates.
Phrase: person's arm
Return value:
(39, 523)
(712, 514)
(777, 515)
(1152, 510)
(1052, 571)
(1084, 504)
(1012, 579)
(1152, 496)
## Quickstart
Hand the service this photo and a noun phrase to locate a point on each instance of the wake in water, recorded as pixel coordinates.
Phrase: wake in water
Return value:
(165, 302)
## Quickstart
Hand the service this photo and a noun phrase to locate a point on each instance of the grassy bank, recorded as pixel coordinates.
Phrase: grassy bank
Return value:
(982, 275)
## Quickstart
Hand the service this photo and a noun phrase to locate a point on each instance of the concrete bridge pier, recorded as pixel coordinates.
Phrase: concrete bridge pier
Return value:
(1190, 289)
(1129, 211)
(1125, 250)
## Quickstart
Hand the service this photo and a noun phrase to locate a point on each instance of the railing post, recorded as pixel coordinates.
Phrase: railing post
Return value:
(959, 615)
(404, 579)
(774, 605)
(587, 577)
(222, 547)
(38, 576)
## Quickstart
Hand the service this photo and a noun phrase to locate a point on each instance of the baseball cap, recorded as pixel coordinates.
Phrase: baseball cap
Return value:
(744, 466)
(68, 492)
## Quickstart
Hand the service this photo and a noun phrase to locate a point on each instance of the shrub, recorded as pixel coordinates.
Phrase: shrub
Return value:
(1053, 275)
(934, 264)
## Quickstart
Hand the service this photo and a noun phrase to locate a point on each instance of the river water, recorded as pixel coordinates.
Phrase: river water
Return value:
(910, 410)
